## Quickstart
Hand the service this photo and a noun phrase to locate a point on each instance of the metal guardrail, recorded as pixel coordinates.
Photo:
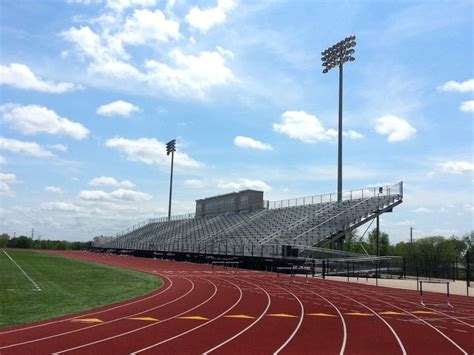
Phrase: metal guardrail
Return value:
(386, 190)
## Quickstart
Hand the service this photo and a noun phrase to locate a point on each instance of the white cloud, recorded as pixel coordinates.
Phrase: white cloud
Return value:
(53, 189)
(422, 210)
(26, 148)
(242, 184)
(33, 119)
(5, 181)
(5, 190)
(120, 5)
(397, 129)
(117, 108)
(353, 134)
(3, 160)
(145, 26)
(465, 86)
(120, 194)
(307, 128)
(58, 147)
(194, 183)
(456, 167)
(225, 52)
(246, 142)
(303, 126)
(21, 77)
(111, 181)
(150, 151)
(192, 76)
(467, 106)
(89, 44)
(84, 2)
(7, 178)
(61, 206)
(179, 75)
(203, 20)
(117, 70)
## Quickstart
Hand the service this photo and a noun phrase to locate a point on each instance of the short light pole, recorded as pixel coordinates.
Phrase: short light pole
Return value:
(171, 148)
(336, 55)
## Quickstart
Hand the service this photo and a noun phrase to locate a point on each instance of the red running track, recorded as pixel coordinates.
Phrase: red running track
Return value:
(201, 311)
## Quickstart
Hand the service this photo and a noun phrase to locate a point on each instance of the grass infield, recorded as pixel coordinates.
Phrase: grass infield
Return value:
(67, 286)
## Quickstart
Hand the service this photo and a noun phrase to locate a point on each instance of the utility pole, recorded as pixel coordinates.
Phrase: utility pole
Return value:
(32, 233)
(411, 235)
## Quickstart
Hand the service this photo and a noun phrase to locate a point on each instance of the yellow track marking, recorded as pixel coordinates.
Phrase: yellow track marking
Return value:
(321, 314)
(150, 319)
(391, 313)
(283, 315)
(87, 320)
(239, 316)
(194, 318)
(422, 312)
(359, 314)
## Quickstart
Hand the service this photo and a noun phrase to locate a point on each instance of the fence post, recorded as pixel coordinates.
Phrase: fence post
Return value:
(416, 267)
(454, 271)
(347, 270)
(468, 272)
(404, 268)
(324, 270)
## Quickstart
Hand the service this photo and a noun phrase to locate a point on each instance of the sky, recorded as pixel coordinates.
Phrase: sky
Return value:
(91, 90)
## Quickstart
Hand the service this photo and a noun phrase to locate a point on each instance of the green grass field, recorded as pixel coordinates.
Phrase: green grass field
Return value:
(67, 286)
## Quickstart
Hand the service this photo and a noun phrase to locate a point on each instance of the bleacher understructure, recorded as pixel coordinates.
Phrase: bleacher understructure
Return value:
(300, 226)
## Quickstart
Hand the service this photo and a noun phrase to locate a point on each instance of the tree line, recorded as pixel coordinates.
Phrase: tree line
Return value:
(24, 242)
(432, 256)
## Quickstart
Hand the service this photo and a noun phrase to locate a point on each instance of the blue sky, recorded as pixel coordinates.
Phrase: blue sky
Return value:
(92, 89)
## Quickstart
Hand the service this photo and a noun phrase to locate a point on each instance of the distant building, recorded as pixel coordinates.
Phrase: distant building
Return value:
(245, 200)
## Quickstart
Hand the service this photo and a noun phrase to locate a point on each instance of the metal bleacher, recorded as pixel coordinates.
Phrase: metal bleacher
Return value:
(302, 223)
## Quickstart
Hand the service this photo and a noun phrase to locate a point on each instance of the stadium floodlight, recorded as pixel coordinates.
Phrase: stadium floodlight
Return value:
(338, 55)
(170, 149)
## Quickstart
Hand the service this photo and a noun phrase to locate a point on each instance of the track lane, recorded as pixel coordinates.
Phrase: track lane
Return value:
(413, 335)
(282, 320)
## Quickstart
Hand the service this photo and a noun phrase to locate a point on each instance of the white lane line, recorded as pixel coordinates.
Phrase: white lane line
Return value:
(420, 319)
(431, 309)
(380, 317)
(95, 325)
(95, 312)
(269, 302)
(199, 326)
(341, 317)
(297, 326)
(37, 288)
(141, 328)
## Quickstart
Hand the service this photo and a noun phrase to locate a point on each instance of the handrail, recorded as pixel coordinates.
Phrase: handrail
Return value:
(331, 218)
(327, 220)
(373, 191)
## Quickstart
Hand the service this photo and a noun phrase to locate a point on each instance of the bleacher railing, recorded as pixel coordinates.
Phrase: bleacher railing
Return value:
(386, 190)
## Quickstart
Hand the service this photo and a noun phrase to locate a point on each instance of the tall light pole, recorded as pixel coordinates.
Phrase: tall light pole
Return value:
(336, 55)
(171, 148)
